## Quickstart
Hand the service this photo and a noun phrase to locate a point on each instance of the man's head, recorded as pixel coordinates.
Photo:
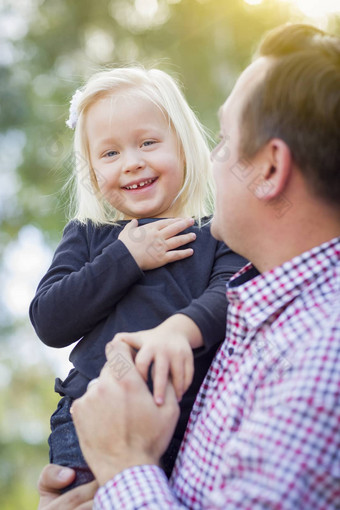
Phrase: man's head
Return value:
(299, 102)
(286, 106)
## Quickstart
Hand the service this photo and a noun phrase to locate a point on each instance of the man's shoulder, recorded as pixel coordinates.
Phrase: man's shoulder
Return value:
(320, 301)
(311, 321)
(303, 349)
(308, 331)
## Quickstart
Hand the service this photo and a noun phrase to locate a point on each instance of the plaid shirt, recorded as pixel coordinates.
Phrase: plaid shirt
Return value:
(264, 432)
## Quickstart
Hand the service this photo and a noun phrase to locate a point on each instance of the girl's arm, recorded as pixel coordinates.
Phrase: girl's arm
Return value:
(76, 293)
(209, 310)
(79, 291)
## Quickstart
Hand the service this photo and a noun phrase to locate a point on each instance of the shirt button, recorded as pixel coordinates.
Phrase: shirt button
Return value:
(231, 351)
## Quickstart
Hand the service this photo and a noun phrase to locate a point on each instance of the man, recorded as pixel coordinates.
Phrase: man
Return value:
(265, 429)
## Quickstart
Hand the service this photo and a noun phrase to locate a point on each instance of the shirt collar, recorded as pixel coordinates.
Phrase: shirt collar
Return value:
(262, 295)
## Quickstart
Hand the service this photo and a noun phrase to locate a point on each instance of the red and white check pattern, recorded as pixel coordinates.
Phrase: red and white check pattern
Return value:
(264, 432)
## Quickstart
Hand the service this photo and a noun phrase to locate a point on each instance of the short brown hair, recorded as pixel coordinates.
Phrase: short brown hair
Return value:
(298, 101)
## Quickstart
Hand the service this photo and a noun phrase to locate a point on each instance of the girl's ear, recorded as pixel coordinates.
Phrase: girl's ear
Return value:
(276, 164)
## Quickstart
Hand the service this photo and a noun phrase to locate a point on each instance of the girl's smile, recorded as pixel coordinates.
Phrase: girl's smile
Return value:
(141, 184)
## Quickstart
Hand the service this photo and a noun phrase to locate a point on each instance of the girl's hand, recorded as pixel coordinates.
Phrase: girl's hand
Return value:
(169, 347)
(155, 244)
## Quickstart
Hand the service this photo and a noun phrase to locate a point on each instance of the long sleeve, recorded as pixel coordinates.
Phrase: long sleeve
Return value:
(210, 309)
(77, 292)
(141, 487)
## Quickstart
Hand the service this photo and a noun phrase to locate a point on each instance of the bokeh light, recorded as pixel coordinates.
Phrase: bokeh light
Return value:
(253, 2)
(310, 8)
(318, 8)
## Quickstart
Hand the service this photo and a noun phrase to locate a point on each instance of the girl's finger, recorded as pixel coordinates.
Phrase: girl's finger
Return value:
(132, 224)
(143, 361)
(177, 241)
(131, 339)
(160, 378)
(188, 371)
(174, 255)
(166, 222)
(177, 227)
(177, 376)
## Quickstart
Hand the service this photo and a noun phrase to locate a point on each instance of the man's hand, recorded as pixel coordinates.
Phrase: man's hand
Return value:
(169, 346)
(53, 478)
(117, 421)
(155, 244)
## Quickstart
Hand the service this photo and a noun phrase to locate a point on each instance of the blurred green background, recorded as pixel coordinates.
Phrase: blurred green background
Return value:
(47, 49)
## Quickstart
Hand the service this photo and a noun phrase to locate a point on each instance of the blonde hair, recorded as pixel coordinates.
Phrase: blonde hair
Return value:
(196, 194)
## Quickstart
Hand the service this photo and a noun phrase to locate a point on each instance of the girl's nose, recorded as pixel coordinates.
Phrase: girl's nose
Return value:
(132, 161)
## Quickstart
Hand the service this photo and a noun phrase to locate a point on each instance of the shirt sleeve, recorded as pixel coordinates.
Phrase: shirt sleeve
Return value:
(76, 293)
(140, 487)
(210, 309)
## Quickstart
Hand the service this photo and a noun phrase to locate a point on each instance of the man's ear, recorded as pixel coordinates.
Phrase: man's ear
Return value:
(276, 163)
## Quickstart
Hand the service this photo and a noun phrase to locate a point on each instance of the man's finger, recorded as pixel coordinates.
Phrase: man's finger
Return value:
(80, 498)
(54, 477)
(120, 367)
(116, 348)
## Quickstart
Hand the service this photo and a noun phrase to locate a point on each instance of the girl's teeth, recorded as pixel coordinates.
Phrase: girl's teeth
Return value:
(140, 185)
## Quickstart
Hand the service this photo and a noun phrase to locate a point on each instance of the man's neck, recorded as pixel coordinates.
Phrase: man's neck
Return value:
(290, 239)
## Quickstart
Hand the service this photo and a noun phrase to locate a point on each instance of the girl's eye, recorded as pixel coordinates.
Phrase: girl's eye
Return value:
(148, 142)
(111, 154)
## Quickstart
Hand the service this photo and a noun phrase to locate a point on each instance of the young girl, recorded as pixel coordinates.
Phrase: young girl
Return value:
(138, 250)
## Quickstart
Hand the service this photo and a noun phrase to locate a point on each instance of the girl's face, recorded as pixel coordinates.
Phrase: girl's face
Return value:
(135, 156)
